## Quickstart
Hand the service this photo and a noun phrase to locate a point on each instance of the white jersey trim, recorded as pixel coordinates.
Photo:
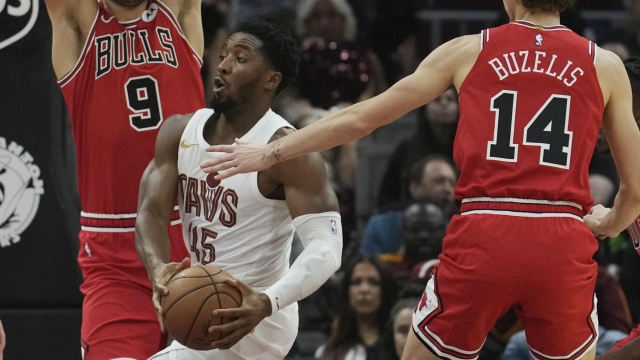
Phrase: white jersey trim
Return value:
(113, 216)
(522, 214)
(83, 55)
(256, 192)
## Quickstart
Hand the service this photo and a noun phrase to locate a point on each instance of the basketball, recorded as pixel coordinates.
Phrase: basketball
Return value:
(194, 294)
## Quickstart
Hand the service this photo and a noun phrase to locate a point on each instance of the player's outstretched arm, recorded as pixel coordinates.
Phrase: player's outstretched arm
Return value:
(71, 21)
(445, 66)
(314, 208)
(624, 140)
(156, 200)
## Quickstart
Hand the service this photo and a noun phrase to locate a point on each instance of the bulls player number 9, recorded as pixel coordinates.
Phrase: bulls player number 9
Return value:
(548, 129)
(143, 99)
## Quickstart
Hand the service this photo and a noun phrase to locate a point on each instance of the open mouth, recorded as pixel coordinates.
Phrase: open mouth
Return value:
(218, 84)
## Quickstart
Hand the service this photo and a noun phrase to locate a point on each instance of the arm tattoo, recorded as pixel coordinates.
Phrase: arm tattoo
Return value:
(275, 150)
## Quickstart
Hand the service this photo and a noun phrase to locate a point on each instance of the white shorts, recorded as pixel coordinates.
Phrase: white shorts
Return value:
(271, 340)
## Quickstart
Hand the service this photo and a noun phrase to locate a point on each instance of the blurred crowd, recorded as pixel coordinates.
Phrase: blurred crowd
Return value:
(352, 50)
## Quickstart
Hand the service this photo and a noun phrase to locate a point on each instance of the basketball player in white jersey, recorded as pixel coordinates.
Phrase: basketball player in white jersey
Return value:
(244, 224)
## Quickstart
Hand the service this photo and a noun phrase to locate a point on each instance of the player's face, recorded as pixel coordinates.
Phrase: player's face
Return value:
(365, 292)
(127, 3)
(241, 71)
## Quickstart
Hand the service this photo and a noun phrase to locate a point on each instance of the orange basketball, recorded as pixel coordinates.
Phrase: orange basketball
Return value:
(194, 294)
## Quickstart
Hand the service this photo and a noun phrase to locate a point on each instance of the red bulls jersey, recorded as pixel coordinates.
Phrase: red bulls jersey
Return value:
(530, 111)
(131, 76)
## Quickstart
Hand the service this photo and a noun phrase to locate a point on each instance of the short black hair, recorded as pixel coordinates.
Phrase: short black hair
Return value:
(547, 5)
(279, 47)
(632, 65)
(417, 169)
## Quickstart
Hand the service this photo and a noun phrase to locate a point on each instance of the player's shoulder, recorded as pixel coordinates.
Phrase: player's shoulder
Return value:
(173, 127)
(610, 70)
(465, 43)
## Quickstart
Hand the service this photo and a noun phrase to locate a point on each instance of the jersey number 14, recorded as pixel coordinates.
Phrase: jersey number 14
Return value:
(548, 130)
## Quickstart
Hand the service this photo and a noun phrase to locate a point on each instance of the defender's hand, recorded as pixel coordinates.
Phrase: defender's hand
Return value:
(241, 157)
(161, 277)
(595, 221)
(254, 308)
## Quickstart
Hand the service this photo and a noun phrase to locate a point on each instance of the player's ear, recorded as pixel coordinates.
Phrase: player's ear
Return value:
(273, 80)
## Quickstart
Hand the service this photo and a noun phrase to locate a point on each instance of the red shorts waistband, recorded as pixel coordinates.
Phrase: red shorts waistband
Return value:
(521, 207)
(115, 222)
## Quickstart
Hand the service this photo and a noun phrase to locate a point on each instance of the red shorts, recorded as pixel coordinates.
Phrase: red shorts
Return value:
(635, 333)
(118, 318)
(542, 265)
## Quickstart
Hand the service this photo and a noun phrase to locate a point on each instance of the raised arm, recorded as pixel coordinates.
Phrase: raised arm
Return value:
(314, 208)
(624, 140)
(189, 17)
(156, 200)
(71, 21)
(449, 64)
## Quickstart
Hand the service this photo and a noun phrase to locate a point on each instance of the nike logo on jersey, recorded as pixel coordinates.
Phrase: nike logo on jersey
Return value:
(184, 145)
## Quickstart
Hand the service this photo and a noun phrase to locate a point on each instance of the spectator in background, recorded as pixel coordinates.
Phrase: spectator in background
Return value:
(368, 292)
(215, 14)
(625, 37)
(280, 11)
(434, 135)
(392, 343)
(431, 179)
(335, 71)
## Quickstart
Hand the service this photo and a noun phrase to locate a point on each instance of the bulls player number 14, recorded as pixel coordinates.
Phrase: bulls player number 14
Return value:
(548, 129)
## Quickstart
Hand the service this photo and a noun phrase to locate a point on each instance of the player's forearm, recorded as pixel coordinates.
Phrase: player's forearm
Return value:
(631, 351)
(625, 210)
(315, 265)
(340, 127)
(152, 241)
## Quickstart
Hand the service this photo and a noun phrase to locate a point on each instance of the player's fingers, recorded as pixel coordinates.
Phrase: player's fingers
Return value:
(208, 165)
(242, 287)
(227, 327)
(231, 313)
(161, 289)
(184, 264)
(227, 174)
(230, 340)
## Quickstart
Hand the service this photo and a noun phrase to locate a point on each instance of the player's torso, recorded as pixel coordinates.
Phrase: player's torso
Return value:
(530, 112)
(130, 78)
(230, 223)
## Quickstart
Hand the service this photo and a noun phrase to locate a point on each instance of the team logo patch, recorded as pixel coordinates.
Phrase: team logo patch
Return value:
(538, 40)
(334, 226)
(212, 182)
(20, 191)
(16, 20)
(149, 14)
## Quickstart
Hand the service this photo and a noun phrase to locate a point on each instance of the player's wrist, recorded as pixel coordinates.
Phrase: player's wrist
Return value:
(266, 302)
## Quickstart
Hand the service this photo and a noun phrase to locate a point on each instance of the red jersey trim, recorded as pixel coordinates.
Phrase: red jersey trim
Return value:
(540, 27)
(521, 207)
(167, 11)
(116, 222)
(83, 55)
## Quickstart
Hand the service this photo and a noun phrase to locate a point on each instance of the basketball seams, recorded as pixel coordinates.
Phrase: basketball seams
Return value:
(182, 297)
(217, 295)
(195, 318)
(231, 297)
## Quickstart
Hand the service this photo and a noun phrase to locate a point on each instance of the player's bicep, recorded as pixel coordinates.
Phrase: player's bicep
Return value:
(306, 186)
(620, 127)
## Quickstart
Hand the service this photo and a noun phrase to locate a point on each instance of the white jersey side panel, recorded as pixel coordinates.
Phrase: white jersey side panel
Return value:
(230, 224)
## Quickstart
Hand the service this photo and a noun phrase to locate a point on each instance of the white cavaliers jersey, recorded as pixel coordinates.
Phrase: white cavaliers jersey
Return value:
(230, 224)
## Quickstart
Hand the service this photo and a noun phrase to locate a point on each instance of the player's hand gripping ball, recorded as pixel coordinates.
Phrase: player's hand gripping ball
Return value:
(194, 294)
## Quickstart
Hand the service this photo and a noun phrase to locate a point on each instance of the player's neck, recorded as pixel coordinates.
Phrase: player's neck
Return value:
(237, 122)
(538, 18)
(125, 13)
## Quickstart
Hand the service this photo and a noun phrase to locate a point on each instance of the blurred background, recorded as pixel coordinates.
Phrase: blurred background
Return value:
(395, 186)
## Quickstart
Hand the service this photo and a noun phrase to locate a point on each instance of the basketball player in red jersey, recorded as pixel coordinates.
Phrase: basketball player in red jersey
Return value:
(124, 67)
(532, 98)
